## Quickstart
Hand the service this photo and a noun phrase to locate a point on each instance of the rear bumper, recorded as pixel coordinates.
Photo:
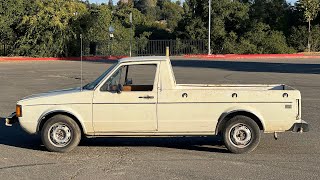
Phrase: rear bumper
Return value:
(303, 126)
(11, 119)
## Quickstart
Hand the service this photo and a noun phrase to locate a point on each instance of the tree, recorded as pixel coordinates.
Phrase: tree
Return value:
(172, 13)
(52, 28)
(298, 38)
(11, 13)
(227, 16)
(266, 40)
(110, 3)
(311, 9)
(143, 5)
(275, 13)
(46, 27)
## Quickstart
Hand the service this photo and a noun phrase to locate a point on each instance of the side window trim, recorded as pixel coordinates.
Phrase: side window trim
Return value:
(127, 70)
(155, 81)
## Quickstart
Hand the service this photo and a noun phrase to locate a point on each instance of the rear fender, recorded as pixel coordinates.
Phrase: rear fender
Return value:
(243, 110)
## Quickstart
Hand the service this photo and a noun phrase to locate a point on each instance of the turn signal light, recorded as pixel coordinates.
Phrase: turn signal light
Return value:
(18, 111)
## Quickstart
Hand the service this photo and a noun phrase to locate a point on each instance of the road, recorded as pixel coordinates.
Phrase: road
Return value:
(292, 156)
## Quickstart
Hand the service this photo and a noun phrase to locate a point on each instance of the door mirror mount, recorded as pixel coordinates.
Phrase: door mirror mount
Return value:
(119, 88)
(128, 81)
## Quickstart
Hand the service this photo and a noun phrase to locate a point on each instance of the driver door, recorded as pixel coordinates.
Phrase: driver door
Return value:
(126, 102)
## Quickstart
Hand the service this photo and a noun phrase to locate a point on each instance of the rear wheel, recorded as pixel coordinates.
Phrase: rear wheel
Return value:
(241, 134)
(60, 134)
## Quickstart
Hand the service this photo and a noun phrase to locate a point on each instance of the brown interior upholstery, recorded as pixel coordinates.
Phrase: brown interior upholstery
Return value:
(138, 88)
(126, 88)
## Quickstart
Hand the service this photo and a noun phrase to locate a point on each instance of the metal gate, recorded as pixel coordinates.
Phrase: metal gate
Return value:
(146, 47)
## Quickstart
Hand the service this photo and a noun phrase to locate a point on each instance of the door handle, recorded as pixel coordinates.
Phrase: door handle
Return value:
(146, 97)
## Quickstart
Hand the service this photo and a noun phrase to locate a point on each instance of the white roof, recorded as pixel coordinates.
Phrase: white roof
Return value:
(144, 58)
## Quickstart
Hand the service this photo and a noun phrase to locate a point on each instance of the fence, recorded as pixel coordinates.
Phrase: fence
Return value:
(4, 49)
(142, 47)
(146, 47)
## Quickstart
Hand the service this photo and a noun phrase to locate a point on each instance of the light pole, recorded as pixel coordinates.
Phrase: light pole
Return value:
(130, 33)
(111, 31)
(81, 55)
(209, 38)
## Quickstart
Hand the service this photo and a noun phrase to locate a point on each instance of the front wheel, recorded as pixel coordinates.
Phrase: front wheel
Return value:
(241, 134)
(60, 134)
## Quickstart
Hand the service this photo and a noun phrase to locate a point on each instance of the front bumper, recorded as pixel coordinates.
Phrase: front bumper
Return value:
(303, 126)
(11, 119)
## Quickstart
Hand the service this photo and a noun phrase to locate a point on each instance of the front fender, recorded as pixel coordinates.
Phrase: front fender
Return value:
(64, 110)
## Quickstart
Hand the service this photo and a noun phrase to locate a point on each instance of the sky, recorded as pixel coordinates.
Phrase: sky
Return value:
(115, 1)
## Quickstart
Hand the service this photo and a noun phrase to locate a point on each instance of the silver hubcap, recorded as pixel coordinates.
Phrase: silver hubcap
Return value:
(59, 135)
(240, 135)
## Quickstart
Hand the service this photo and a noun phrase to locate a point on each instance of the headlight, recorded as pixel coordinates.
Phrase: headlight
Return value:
(18, 111)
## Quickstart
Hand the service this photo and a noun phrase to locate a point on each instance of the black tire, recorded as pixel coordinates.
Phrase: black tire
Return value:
(60, 134)
(241, 134)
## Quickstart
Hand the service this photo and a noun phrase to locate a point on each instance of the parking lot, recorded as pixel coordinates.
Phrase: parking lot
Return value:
(292, 156)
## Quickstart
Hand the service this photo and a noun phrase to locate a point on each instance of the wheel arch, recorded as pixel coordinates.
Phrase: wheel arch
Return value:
(45, 117)
(225, 117)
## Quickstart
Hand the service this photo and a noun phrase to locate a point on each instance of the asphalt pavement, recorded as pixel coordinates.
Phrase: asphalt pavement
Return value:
(292, 156)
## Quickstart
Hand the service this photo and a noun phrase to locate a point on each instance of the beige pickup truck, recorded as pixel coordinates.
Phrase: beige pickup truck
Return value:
(140, 97)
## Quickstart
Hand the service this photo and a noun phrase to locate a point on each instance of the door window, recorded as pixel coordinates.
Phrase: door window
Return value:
(138, 77)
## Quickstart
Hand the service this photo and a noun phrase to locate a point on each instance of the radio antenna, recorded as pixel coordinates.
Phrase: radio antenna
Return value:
(81, 62)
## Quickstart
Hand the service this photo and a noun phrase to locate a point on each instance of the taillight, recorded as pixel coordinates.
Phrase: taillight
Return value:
(18, 111)
(298, 109)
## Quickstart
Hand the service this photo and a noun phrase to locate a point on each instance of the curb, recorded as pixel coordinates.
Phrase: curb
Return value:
(251, 56)
(85, 58)
(199, 56)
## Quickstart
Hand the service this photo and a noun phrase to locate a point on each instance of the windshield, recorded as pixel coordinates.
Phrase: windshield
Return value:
(93, 84)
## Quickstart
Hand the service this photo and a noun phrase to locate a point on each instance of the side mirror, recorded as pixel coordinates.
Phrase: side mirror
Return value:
(129, 81)
(119, 88)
